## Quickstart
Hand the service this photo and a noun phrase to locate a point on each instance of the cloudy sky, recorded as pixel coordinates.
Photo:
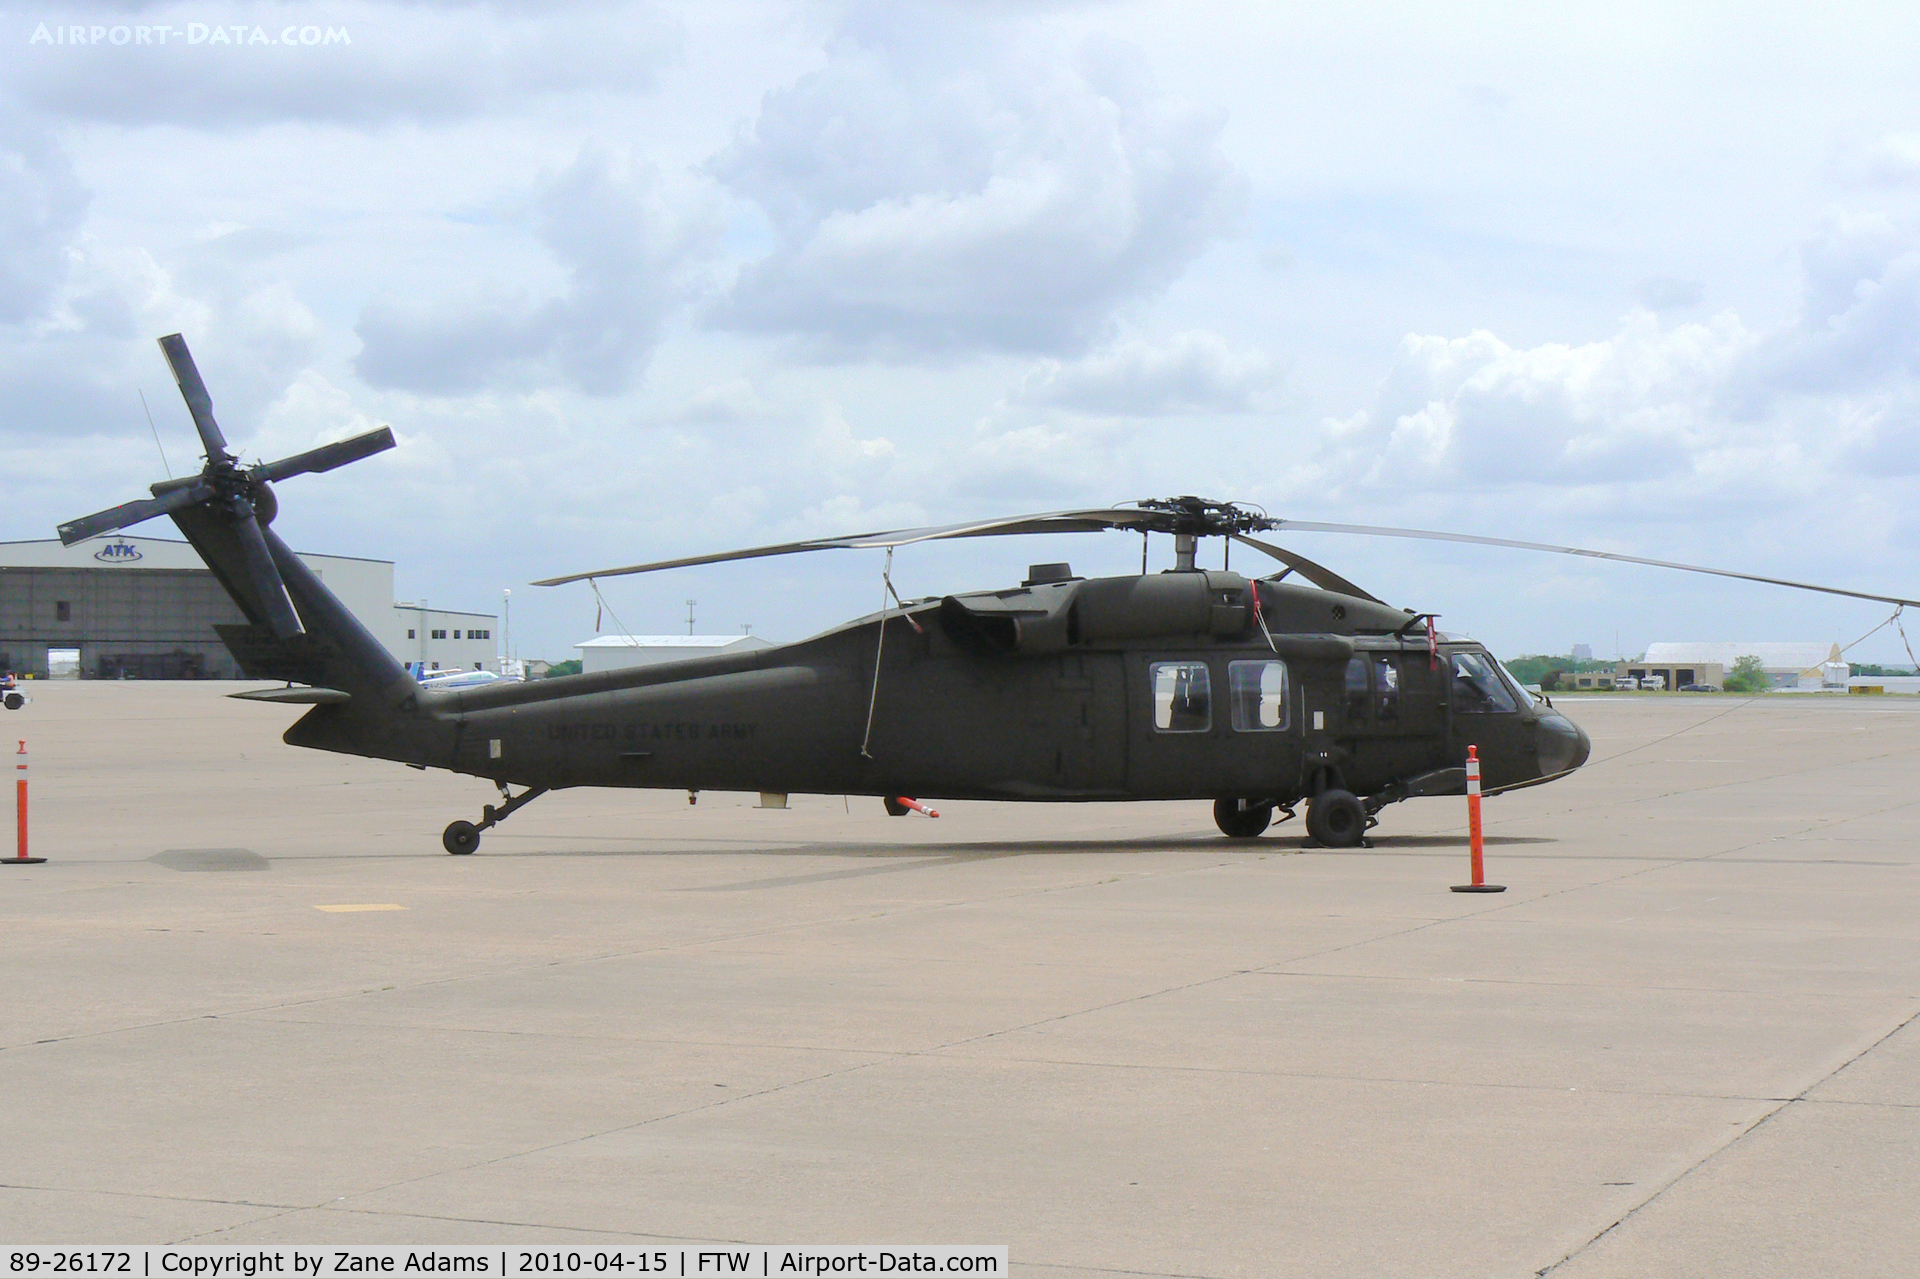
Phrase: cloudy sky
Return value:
(633, 280)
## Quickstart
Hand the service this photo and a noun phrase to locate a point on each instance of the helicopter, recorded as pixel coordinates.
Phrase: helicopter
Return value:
(1258, 694)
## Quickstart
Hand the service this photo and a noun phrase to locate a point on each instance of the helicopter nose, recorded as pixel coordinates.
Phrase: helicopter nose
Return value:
(1563, 745)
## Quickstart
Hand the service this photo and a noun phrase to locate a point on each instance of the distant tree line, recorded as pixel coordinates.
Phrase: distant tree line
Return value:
(1547, 671)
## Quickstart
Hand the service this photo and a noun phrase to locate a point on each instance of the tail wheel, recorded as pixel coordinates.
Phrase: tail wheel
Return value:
(460, 838)
(1337, 819)
(1238, 819)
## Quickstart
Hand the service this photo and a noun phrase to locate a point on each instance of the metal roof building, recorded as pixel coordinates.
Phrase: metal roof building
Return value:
(611, 652)
(1787, 664)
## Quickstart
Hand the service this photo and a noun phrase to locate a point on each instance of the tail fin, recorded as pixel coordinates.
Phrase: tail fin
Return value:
(333, 649)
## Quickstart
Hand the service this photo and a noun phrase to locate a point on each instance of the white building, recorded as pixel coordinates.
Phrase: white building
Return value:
(611, 652)
(1795, 665)
(125, 605)
(435, 639)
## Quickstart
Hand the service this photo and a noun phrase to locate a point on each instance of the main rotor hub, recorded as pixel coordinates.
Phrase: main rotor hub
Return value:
(1203, 517)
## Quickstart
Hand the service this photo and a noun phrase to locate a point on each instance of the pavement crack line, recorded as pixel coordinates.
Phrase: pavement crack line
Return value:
(333, 1205)
(140, 1194)
(1661, 1192)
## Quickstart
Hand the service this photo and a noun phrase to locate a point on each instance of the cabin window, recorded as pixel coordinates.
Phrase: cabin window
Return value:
(439, 635)
(409, 634)
(1476, 689)
(1357, 688)
(1257, 691)
(63, 611)
(1386, 689)
(1182, 697)
(456, 634)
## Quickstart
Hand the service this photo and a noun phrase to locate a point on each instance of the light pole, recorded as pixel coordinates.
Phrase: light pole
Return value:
(690, 604)
(506, 628)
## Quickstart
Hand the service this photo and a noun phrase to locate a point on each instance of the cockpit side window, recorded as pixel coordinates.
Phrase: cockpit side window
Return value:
(1182, 697)
(1357, 689)
(1477, 690)
(1386, 689)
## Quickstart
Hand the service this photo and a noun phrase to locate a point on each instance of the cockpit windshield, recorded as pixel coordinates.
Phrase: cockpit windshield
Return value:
(1526, 697)
(1477, 689)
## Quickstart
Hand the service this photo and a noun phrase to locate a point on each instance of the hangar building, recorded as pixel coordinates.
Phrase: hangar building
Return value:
(1787, 665)
(125, 607)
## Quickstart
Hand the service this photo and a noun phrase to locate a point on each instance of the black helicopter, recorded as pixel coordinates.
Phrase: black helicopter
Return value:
(1187, 684)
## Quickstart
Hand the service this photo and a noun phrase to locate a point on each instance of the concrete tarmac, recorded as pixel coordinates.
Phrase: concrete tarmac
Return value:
(249, 999)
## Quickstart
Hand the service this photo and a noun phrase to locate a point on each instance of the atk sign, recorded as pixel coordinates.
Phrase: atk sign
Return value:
(121, 552)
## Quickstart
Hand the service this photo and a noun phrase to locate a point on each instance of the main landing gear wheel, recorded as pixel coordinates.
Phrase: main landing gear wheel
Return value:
(1337, 819)
(15, 701)
(460, 838)
(1238, 819)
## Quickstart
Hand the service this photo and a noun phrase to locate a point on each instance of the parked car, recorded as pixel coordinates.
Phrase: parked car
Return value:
(1698, 688)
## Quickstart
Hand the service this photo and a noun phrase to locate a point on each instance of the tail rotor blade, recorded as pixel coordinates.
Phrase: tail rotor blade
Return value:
(262, 576)
(130, 513)
(326, 457)
(194, 392)
(1324, 578)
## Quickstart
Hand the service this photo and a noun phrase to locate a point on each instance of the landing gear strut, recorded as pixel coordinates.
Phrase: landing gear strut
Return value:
(461, 838)
(1246, 818)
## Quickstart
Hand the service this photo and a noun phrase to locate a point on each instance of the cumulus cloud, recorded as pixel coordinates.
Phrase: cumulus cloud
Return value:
(1190, 372)
(631, 255)
(947, 184)
(1715, 408)
(1860, 310)
(1665, 293)
(75, 370)
(360, 63)
(42, 205)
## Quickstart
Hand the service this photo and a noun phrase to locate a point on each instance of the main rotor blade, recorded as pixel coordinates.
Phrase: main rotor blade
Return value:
(262, 575)
(1371, 530)
(1053, 522)
(129, 513)
(194, 392)
(1324, 578)
(326, 457)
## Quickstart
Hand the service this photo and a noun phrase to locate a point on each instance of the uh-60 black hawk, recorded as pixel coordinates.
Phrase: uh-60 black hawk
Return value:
(1193, 683)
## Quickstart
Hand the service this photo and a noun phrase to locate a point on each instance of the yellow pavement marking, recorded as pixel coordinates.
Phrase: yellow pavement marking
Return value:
(341, 910)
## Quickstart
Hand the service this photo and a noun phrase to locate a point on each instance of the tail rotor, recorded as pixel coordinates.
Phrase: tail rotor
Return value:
(238, 496)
